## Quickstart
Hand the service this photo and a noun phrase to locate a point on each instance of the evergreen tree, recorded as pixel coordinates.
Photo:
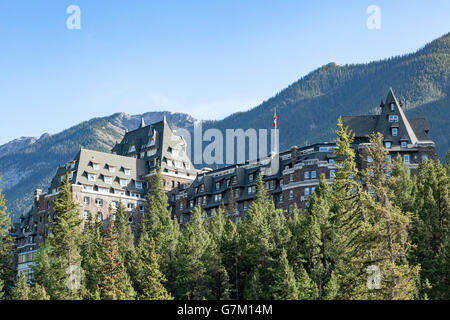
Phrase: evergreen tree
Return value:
(42, 271)
(125, 239)
(160, 226)
(318, 237)
(6, 245)
(285, 285)
(191, 272)
(386, 228)
(307, 289)
(401, 185)
(115, 283)
(64, 247)
(217, 276)
(150, 280)
(347, 215)
(430, 229)
(21, 290)
(38, 293)
(92, 257)
(263, 235)
(223, 233)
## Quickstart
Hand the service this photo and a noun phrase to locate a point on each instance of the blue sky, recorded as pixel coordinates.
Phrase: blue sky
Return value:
(205, 58)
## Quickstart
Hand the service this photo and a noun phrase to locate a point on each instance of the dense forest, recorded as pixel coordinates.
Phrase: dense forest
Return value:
(378, 233)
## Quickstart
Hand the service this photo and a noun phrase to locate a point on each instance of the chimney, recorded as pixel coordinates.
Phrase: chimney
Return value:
(294, 155)
(37, 194)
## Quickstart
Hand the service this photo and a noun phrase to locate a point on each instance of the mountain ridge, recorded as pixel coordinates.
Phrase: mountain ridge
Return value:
(307, 112)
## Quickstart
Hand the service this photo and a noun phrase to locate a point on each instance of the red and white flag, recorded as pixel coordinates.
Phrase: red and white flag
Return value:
(275, 119)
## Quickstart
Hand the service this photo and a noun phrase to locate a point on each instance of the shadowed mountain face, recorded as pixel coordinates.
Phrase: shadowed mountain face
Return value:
(307, 113)
(29, 163)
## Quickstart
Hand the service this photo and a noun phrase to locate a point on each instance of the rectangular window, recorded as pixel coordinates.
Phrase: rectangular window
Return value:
(96, 166)
(87, 200)
(291, 177)
(119, 192)
(306, 191)
(108, 180)
(92, 177)
(406, 158)
(291, 195)
(331, 174)
(306, 175)
(404, 144)
(331, 161)
(112, 169)
(394, 132)
(387, 144)
(313, 175)
(103, 190)
(123, 182)
(99, 202)
(424, 157)
(313, 189)
(138, 185)
(250, 177)
(217, 185)
(127, 172)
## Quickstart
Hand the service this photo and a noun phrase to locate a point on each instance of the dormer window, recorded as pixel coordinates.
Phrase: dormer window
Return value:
(107, 180)
(96, 166)
(202, 188)
(123, 182)
(394, 132)
(393, 118)
(387, 144)
(392, 106)
(138, 185)
(112, 169)
(127, 172)
(217, 185)
(92, 177)
(404, 144)
(306, 175)
(234, 180)
(132, 149)
(250, 178)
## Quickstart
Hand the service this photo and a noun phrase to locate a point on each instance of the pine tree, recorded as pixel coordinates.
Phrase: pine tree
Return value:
(125, 239)
(41, 269)
(6, 245)
(285, 285)
(38, 293)
(64, 247)
(318, 237)
(115, 283)
(21, 290)
(217, 276)
(386, 229)
(160, 226)
(190, 268)
(92, 257)
(150, 280)
(263, 235)
(431, 227)
(401, 185)
(347, 217)
(307, 289)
